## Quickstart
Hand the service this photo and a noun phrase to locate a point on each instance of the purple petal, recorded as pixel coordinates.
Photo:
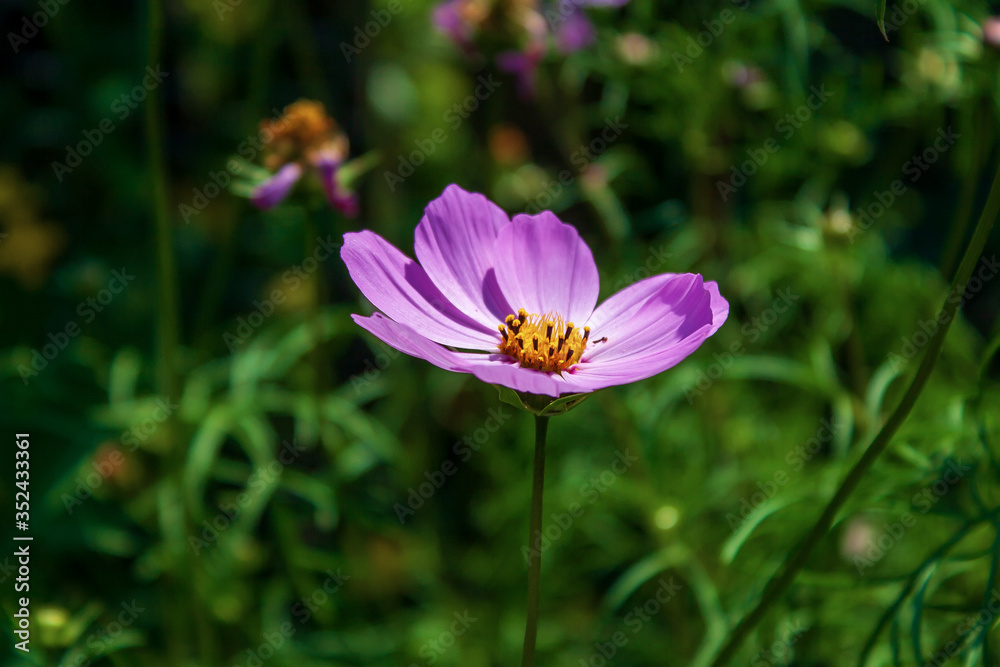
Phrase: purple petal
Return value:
(328, 163)
(587, 377)
(271, 192)
(524, 67)
(543, 266)
(406, 339)
(678, 309)
(600, 3)
(720, 307)
(339, 197)
(658, 334)
(574, 33)
(491, 368)
(621, 306)
(447, 18)
(345, 202)
(455, 243)
(509, 374)
(401, 289)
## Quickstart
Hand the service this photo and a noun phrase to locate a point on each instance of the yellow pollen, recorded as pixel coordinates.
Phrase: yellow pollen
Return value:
(543, 342)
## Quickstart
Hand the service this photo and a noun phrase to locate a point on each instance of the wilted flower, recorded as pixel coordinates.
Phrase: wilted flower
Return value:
(513, 302)
(304, 138)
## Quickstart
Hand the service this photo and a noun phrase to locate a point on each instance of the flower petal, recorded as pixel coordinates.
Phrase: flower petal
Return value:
(406, 339)
(681, 308)
(271, 192)
(505, 371)
(620, 306)
(447, 18)
(574, 33)
(652, 325)
(591, 376)
(524, 67)
(720, 307)
(338, 197)
(401, 289)
(491, 368)
(543, 266)
(454, 242)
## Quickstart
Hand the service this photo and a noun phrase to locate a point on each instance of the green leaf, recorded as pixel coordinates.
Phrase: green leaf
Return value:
(353, 170)
(750, 523)
(510, 397)
(543, 406)
(880, 17)
(205, 447)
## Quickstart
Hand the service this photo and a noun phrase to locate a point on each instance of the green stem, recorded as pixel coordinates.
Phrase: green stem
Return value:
(798, 557)
(967, 196)
(167, 327)
(180, 586)
(535, 529)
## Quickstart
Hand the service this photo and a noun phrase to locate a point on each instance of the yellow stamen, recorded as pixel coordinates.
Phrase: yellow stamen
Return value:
(543, 342)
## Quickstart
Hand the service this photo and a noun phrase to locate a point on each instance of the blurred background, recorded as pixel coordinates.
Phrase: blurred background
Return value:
(225, 470)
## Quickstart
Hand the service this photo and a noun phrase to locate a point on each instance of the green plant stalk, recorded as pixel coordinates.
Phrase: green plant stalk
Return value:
(967, 194)
(167, 324)
(799, 555)
(168, 328)
(218, 276)
(319, 365)
(535, 528)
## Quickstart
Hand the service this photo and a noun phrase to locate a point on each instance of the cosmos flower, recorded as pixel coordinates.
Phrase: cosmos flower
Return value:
(513, 302)
(304, 138)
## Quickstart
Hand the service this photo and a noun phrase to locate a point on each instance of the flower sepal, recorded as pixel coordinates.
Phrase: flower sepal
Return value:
(541, 405)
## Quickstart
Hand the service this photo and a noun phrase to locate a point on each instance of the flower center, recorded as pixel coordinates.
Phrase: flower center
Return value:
(542, 342)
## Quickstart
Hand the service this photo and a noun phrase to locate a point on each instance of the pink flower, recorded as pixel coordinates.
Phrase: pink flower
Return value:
(513, 302)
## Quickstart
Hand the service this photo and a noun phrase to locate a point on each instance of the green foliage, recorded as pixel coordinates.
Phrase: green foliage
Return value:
(308, 496)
